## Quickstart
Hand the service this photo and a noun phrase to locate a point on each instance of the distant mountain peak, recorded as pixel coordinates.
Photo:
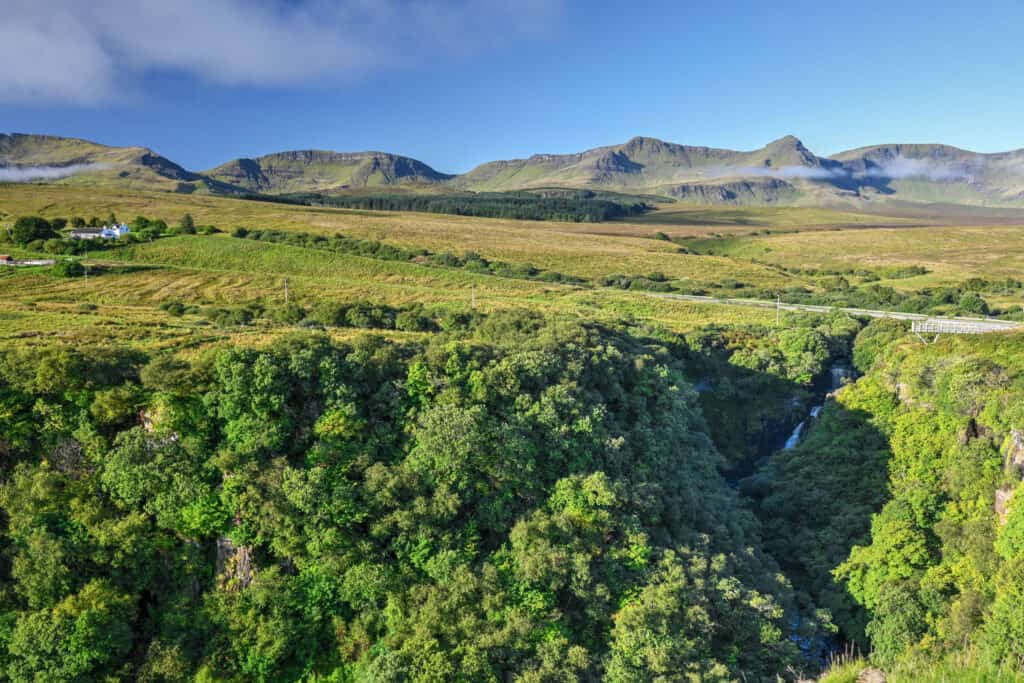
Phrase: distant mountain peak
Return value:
(786, 141)
(317, 170)
(788, 150)
(784, 171)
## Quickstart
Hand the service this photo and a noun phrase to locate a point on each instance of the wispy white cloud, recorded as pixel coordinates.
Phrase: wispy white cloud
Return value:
(896, 168)
(70, 51)
(21, 174)
(901, 167)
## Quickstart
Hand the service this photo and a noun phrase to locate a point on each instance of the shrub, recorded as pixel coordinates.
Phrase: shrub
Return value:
(54, 246)
(68, 268)
(31, 228)
(971, 302)
(290, 314)
(413, 321)
(175, 308)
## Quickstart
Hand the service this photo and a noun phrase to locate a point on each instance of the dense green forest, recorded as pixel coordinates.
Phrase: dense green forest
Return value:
(930, 441)
(531, 498)
(514, 497)
(578, 206)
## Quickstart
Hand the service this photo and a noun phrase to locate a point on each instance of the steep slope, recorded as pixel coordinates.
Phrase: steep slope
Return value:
(322, 171)
(932, 172)
(71, 160)
(783, 171)
(640, 162)
(644, 164)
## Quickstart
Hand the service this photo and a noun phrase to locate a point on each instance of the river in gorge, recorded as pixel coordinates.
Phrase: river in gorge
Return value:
(788, 436)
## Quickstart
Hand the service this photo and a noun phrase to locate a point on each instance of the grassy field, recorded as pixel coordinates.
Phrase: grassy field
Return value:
(121, 299)
(564, 247)
(129, 284)
(683, 218)
(949, 253)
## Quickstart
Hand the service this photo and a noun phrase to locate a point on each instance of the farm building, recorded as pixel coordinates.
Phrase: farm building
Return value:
(6, 260)
(107, 232)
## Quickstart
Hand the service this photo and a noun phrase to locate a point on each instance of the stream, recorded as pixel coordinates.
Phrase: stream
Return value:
(776, 440)
(838, 374)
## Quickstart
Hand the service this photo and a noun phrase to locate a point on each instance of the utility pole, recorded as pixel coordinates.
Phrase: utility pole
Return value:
(472, 296)
(778, 310)
(286, 292)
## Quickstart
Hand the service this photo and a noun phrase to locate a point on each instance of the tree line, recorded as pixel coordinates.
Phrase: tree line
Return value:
(581, 207)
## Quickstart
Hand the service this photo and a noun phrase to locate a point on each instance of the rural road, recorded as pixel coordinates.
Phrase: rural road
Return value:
(932, 323)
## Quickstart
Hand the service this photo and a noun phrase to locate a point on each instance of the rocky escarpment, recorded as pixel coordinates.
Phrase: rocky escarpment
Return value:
(758, 190)
(1013, 465)
(319, 170)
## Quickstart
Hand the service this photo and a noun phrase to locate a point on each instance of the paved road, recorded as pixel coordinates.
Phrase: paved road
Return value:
(962, 325)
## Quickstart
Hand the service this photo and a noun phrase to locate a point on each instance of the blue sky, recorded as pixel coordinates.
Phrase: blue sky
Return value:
(455, 83)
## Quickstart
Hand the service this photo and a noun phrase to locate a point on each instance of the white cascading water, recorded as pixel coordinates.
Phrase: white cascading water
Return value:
(794, 438)
(840, 373)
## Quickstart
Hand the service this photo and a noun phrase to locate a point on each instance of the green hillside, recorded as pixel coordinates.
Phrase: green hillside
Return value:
(95, 164)
(782, 173)
(321, 171)
(641, 164)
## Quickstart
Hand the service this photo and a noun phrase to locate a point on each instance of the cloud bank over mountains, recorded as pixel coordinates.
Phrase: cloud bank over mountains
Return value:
(896, 168)
(82, 53)
(21, 174)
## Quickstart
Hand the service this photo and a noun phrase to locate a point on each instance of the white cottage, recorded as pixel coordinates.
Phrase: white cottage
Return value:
(107, 232)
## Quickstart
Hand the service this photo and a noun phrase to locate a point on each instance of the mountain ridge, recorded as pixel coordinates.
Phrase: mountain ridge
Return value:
(323, 170)
(783, 172)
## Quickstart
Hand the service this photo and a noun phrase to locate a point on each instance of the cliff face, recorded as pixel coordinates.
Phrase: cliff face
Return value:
(754, 191)
(317, 170)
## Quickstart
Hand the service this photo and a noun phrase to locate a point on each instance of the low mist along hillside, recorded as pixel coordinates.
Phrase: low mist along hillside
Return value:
(74, 161)
(784, 172)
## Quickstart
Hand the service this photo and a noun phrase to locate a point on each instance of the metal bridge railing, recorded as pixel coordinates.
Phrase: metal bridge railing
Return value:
(934, 326)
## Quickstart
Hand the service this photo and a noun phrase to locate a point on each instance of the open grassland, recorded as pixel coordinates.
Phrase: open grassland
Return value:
(674, 219)
(949, 253)
(128, 284)
(683, 218)
(563, 247)
(122, 296)
(41, 324)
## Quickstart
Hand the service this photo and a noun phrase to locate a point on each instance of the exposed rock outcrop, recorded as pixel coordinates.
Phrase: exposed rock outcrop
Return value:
(1002, 505)
(871, 675)
(1013, 452)
(234, 565)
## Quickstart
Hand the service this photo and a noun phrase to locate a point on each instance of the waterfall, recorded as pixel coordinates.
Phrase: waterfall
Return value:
(798, 432)
(794, 438)
(840, 373)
